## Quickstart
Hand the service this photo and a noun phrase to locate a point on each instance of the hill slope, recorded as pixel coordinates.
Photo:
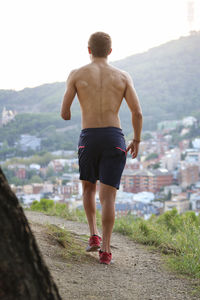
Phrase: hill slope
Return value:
(166, 79)
(137, 273)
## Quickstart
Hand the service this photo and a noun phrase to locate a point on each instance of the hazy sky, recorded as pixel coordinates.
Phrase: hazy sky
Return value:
(42, 40)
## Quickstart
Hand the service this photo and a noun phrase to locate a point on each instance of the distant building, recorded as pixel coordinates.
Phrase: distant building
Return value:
(188, 174)
(132, 164)
(73, 184)
(28, 189)
(196, 143)
(189, 121)
(59, 164)
(28, 142)
(37, 188)
(183, 145)
(19, 170)
(28, 199)
(192, 156)
(174, 189)
(180, 202)
(144, 197)
(145, 180)
(167, 126)
(63, 152)
(35, 167)
(171, 159)
(158, 146)
(150, 162)
(47, 188)
(184, 131)
(195, 201)
(7, 116)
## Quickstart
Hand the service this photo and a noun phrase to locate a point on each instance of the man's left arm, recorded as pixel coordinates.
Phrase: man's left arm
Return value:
(68, 97)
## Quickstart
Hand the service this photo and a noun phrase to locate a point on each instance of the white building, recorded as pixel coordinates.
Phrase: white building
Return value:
(193, 156)
(174, 189)
(144, 197)
(27, 142)
(7, 116)
(171, 159)
(195, 201)
(34, 167)
(28, 199)
(180, 202)
(196, 143)
(189, 121)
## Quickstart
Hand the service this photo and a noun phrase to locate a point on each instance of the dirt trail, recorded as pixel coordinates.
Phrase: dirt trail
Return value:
(137, 272)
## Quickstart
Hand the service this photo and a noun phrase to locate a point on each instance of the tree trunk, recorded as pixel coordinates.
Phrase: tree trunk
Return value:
(23, 273)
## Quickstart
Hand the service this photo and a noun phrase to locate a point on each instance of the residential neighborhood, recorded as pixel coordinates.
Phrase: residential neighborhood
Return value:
(163, 176)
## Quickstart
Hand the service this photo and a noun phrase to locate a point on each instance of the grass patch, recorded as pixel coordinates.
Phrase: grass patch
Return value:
(61, 210)
(171, 233)
(73, 246)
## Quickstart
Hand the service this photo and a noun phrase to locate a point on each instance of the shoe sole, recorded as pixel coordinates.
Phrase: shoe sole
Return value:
(92, 248)
(103, 263)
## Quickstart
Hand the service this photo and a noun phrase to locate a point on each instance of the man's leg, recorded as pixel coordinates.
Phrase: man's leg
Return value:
(107, 195)
(89, 203)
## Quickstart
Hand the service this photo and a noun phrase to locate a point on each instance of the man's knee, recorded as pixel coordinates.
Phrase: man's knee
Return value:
(107, 193)
(88, 187)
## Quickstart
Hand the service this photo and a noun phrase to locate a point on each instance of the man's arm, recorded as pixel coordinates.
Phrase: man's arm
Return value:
(134, 106)
(68, 97)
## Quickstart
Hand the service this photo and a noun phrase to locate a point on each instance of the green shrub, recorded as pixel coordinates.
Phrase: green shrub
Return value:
(171, 233)
(43, 205)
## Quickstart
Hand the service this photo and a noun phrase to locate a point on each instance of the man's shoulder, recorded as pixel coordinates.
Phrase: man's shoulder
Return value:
(121, 72)
(76, 72)
(82, 68)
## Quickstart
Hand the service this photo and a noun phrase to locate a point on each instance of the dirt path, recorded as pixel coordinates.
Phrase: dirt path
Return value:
(137, 272)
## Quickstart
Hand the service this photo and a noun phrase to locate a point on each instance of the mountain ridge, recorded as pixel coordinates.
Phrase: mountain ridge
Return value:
(165, 78)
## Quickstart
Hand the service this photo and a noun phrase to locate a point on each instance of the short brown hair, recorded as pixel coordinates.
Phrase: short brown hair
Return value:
(100, 44)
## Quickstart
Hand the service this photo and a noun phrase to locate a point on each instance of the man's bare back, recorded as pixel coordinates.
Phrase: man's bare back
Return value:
(100, 90)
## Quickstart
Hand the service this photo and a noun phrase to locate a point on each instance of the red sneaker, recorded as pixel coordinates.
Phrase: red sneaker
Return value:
(94, 243)
(105, 257)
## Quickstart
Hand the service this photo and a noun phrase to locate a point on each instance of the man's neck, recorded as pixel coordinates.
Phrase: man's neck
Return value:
(99, 60)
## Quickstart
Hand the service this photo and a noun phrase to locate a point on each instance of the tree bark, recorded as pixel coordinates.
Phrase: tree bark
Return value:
(23, 273)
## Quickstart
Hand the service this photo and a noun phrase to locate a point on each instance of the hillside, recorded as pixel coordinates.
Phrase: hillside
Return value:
(137, 272)
(166, 79)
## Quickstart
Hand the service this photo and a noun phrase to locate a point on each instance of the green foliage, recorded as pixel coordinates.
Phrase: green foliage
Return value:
(146, 136)
(61, 210)
(156, 166)
(42, 159)
(73, 246)
(35, 179)
(44, 205)
(58, 209)
(172, 233)
(43, 125)
(151, 156)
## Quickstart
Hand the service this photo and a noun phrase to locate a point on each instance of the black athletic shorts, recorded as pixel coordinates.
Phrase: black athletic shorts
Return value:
(102, 155)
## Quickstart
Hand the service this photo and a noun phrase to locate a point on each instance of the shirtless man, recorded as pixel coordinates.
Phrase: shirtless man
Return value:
(102, 150)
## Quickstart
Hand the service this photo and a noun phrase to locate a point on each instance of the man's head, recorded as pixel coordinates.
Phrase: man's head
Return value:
(99, 44)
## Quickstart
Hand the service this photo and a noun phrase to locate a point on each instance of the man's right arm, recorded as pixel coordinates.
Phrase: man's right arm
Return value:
(134, 106)
(68, 97)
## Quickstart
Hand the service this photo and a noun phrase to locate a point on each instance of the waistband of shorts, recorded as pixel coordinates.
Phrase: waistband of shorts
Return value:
(102, 130)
